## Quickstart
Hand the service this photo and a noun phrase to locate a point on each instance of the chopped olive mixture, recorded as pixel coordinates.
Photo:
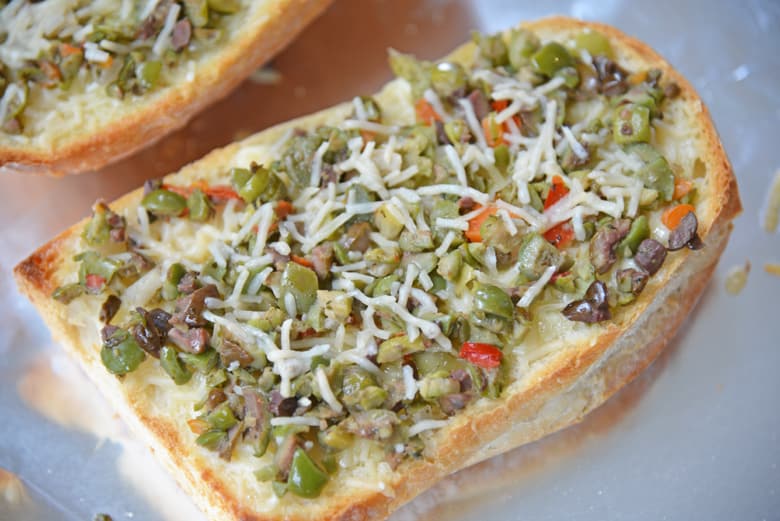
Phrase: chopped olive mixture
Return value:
(373, 279)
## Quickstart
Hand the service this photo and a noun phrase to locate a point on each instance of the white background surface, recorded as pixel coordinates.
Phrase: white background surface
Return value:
(695, 437)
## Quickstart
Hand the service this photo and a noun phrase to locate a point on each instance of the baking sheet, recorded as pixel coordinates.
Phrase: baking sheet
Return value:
(695, 437)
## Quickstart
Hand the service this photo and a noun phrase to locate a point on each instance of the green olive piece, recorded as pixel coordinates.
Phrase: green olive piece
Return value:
(171, 364)
(491, 47)
(169, 290)
(336, 437)
(250, 185)
(432, 387)
(121, 354)
(163, 202)
(397, 347)
(656, 174)
(197, 11)
(65, 294)
(201, 362)
(199, 206)
(306, 479)
(631, 124)
(211, 438)
(456, 130)
(494, 301)
(447, 77)
(415, 71)
(550, 58)
(148, 73)
(93, 264)
(594, 42)
(450, 265)
(640, 230)
(225, 6)
(300, 282)
(17, 103)
(97, 230)
(221, 417)
(373, 111)
(428, 362)
(522, 45)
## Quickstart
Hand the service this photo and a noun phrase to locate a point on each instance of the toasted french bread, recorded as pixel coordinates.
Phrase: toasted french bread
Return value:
(77, 120)
(540, 364)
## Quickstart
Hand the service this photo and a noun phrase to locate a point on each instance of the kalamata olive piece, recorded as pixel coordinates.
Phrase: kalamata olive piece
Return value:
(593, 308)
(684, 233)
(650, 255)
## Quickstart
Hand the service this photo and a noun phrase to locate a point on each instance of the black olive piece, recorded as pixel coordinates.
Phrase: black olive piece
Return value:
(593, 308)
(650, 255)
(109, 308)
(684, 233)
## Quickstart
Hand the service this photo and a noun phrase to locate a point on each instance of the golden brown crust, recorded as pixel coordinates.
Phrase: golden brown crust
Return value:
(568, 385)
(117, 139)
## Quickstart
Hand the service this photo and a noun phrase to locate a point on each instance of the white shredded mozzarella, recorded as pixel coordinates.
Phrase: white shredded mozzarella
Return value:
(533, 291)
(426, 425)
(326, 392)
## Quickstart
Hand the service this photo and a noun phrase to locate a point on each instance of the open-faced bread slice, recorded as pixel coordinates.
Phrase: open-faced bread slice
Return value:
(83, 84)
(450, 322)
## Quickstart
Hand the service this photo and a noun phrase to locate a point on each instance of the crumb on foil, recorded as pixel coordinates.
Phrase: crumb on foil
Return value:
(736, 278)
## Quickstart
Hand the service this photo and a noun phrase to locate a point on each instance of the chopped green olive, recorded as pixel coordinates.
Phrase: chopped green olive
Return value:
(225, 6)
(306, 479)
(456, 130)
(202, 362)
(631, 124)
(16, 101)
(373, 111)
(121, 354)
(197, 11)
(148, 73)
(300, 282)
(250, 186)
(164, 202)
(222, 417)
(656, 173)
(416, 72)
(491, 47)
(387, 222)
(501, 153)
(170, 362)
(493, 300)
(336, 437)
(447, 77)
(397, 347)
(640, 230)
(65, 294)
(371, 397)
(97, 230)
(522, 45)
(429, 362)
(536, 254)
(450, 265)
(594, 42)
(94, 264)
(432, 387)
(551, 58)
(266, 473)
(199, 206)
(169, 290)
(211, 439)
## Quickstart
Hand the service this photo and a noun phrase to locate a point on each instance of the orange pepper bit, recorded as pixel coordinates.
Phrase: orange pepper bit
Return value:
(425, 112)
(473, 234)
(303, 261)
(672, 216)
